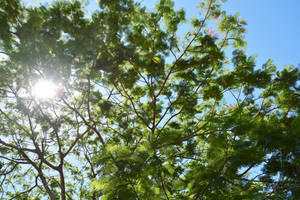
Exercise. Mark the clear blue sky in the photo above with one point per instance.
(273, 29)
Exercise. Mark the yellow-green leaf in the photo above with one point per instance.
(169, 168)
(156, 60)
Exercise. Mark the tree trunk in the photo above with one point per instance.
(62, 183)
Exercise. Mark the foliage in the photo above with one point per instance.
(143, 114)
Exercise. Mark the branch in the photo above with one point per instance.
(85, 122)
(134, 108)
(27, 191)
(185, 50)
(246, 171)
(75, 142)
(185, 138)
(41, 175)
(17, 148)
(11, 170)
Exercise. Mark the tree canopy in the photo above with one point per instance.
(141, 110)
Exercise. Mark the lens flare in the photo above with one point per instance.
(44, 89)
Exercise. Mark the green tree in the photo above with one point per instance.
(138, 113)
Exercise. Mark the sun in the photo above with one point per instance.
(45, 89)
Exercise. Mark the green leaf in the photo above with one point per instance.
(156, 60)
(169, 168)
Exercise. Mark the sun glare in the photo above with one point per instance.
(44, 89)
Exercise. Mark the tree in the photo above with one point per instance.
(138, 113)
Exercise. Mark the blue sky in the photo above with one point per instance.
(273, 29)
(273, 26)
